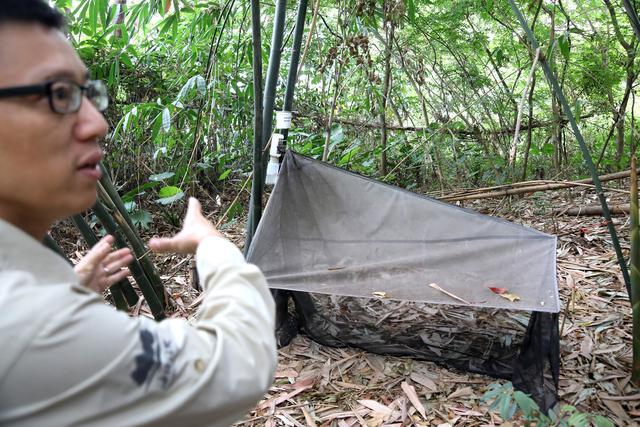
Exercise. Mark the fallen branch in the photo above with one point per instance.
(593, 210)
(508, 190)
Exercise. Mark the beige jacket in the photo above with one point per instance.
(68, 359)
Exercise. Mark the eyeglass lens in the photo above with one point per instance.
(66, 97)
(97, 93)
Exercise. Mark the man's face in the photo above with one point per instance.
(47, 160)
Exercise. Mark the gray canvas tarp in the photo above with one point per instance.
(326, 230)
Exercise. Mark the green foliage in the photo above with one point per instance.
(181, 87)
(515, 405)
(141, 218)
(169, 194)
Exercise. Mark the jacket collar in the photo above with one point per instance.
(21, 252)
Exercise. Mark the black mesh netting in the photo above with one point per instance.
(354, 262)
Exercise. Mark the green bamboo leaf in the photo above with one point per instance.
(169, 194)
(161, 176)
(578, 420)
(166, 120)
(155, 130)
(505, 406)
(201, 85)
(125, 58)
(601, 421)
(139, 190)
(234, 210)
(93, 16)
(411, 10)
(578, 110)
(564, 45)
(526, 404)
(224, 174)
(184, 90)
(167, 23)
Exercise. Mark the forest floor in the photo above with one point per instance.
(322, 386)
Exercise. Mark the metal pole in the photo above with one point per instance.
(255, 203)
(583, 146)
(292, 77)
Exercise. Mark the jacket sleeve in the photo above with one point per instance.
(91, 365)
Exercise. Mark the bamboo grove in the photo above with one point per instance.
(423, 94)
(418, 93)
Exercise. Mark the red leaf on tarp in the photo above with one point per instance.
(504, 293)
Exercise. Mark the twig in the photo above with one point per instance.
(622, 398)
(224, 215)
(434, 286)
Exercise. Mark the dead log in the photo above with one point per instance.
(508, 190)
(593, 210)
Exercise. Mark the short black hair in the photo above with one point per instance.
(31, 12)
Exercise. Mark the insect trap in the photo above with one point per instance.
(355, 262)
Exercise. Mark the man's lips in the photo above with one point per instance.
(89, 165)
(92, 172)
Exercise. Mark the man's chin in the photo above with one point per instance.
(82, 203)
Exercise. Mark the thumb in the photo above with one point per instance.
(193, 210)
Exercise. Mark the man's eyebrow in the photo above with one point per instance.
(67, 74)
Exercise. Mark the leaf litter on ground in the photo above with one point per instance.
(322, 386)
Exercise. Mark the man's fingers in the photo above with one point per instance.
(121, 255)
(113, 264)
(163, 244)
(108, 239)
(97, 253)
(113, 279)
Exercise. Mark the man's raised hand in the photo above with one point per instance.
(195, 229)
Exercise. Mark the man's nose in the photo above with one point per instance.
(91, 123)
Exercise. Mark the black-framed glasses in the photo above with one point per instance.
(65, 96)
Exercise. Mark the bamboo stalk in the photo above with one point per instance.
(529, 187)
(635, 272)
(136, 270)
(110, 195)
(255, 202)
(273, 70)
(535, 183)
(119, 299)
(292, 75)
(116, 293)
(49, 242)
(123, 286)
(312, 29)
(557, 90)
(593, 210)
